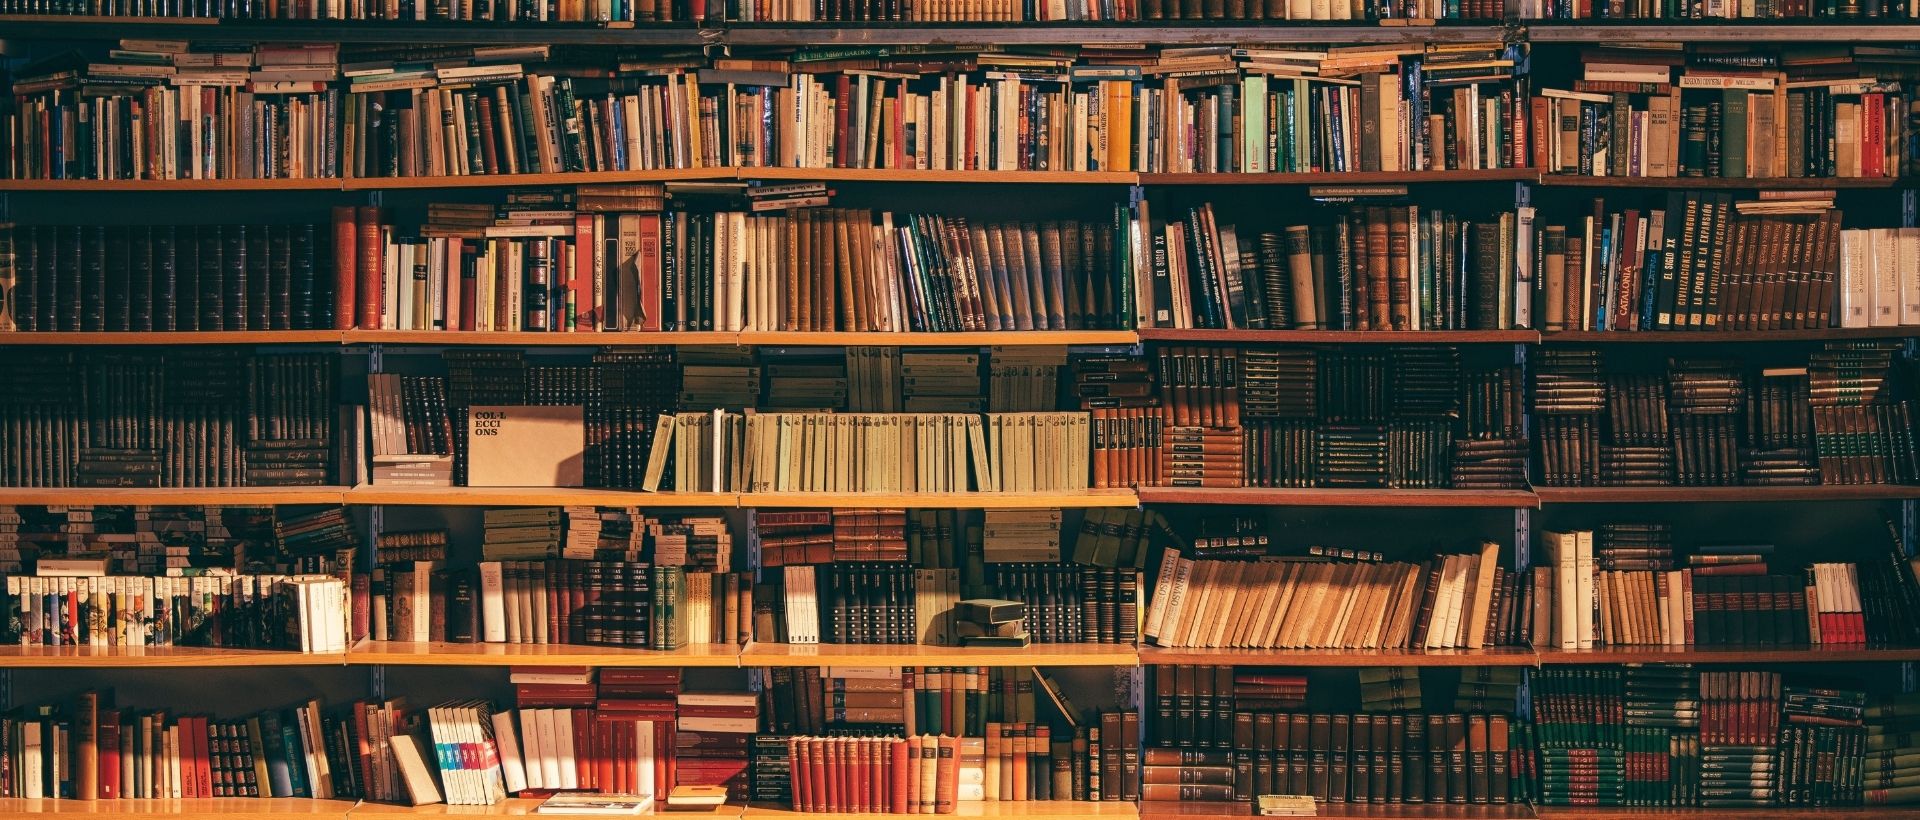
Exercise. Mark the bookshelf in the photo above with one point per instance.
(1515, 517)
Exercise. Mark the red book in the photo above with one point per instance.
(346, 258)
(857, 774)
(898, 776)
(203, 755)
(583, 739)
(607, 754)
(584, 281)
(371, 266)
(1873, 135)
(797, 773)
(109, 735)
(663, 756)
(648, 267)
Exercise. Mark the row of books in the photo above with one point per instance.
(1835, 420)
(524, 110)
(180, 418)
(600, 603)
(545, 266)
(1396, 267)
(1707, 262)
(163, 277)
(158, 540)
(1455, 601)
(862, 452)
(542, 261)
(1724, 596)
(1758, 10)
(875, 603)
(1662, 110)
(1714, 739)
(305, 613)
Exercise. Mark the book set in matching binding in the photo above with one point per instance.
(1831, 418)
(182, 418)
(167, 277)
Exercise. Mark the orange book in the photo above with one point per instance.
(948, 784)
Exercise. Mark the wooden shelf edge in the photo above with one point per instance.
(1695, 495)
(208, 496)
(1734, 183)
(370, 494)
(1338, 497)
(1167, 334)
(1726, 654)
(102, 657)
(1332, 658)
(1587, 337)
(1069, 499)
(1024, 810)
(1074, 654)
(395, 653)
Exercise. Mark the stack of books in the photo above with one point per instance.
(1891, 768)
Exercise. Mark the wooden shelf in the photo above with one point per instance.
(233, 808)
(990, 338)
(402, 653)
(209, 496)
(1741, 31)
(1059, 654)
(1587, 337)
(1165, 32)
(188, 185)
(1726, 654)
(1769, 813)
(193, 337)
(450, 338)
(918, 175)
(1343, 178)
(529, 497)
(1409, 811)
(1072, 499)
(1388, 337)
(511, 807)
(111, 657)
(1490, 656)
(510, 180)
(466, 338)
(1023, 810)
(1337, 497)
(1735, 183)
(1694, 495)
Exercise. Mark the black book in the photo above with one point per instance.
(166, 280)
(71, 275)
(234, 277)
(140, 288)
(257, 281)
(26, 283)
(207, 284)
(93, 277)
(296, 294)
(119, 280)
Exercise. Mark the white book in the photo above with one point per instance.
(1583, 575)
(563, 748)
(1907, 270)
(513, 770)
